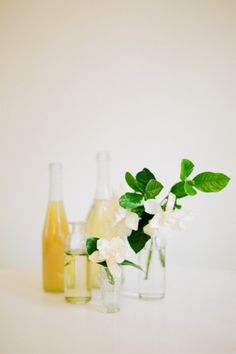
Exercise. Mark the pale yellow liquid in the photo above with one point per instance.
(54, 234)
(99, 224)
(76, 277)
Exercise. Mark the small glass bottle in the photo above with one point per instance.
(110, 291)
(54, 233)
(101, 215)
(76, 267)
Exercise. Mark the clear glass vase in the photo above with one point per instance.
(130, 275)
(153, 261)
(110, 291)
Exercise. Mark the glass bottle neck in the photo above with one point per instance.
(77, 239)
(55, 175)
(103, 190)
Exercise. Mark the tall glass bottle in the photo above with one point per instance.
(100, 217)
(54, 233)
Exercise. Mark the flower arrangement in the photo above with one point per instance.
(141, 217)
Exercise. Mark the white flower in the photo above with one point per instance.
(113, 252)
(163, 220)
(126, 222)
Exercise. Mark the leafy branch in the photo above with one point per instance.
(145, 186)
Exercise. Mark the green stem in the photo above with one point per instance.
(166, 199)
(148, 260)
(109, 276)
(162, 257)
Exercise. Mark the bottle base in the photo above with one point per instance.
(55, 291)
(78, 300)
(109, 309)
(151, 296)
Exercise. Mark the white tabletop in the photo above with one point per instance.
(198, 316)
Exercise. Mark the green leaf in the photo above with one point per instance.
(178, 190)
(91, 244)
(131, 181)
(144, 220)
(177, 206)
(137, 240)
(143, 177)
(211, 181)
(153, 188)
(129, 263)
(139, 210)
(130, 200)
(189, 188)
(186, 169)
(103, 263)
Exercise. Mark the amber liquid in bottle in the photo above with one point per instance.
(54, 233)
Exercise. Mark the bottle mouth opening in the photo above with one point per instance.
(55, 166)
(77, 225)
(103, 155)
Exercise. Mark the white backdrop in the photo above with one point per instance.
(151, 81)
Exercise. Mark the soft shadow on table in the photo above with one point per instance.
(27, 286)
